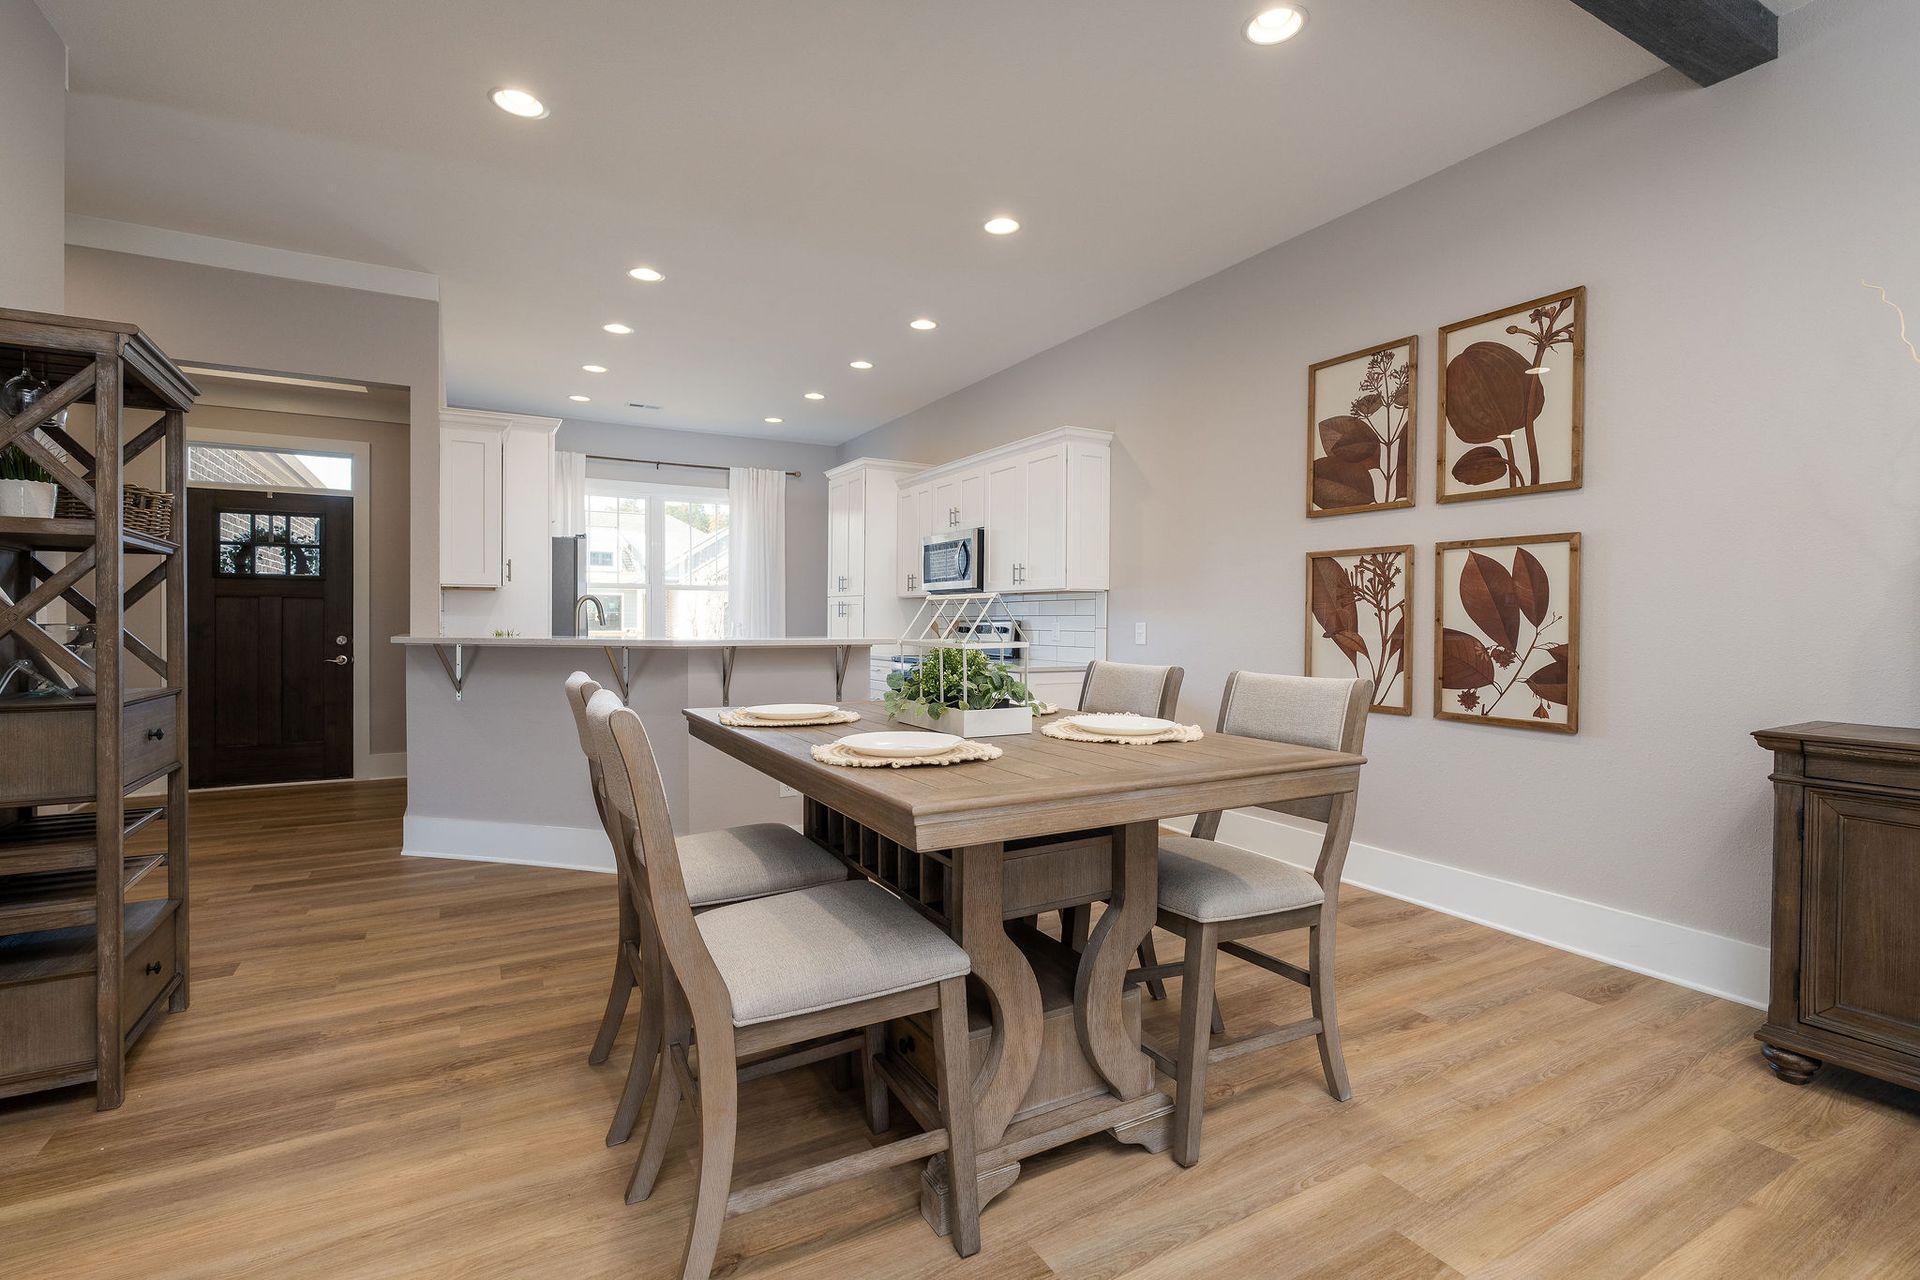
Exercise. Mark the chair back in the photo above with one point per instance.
(580, 690)
(1304, 711)
(638, 801)
(1131, 687)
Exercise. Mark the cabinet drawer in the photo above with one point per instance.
(1865, 767)
(50, 746)
(149, 968)
(50, 1020)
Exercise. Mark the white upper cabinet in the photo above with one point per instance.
(866, 566)
(496, 496)
(1044, 502)
(916, 522)
(846, 534)
(470, 514)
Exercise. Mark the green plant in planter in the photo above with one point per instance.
(17, 464)
(954, 679)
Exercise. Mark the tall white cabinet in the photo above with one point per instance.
(496, 548)
(863, 547)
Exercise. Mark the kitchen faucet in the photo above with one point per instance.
(599, 613)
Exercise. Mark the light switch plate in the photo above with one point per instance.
(1139, 633)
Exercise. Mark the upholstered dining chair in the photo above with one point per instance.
(728, 865)
(1129, 688)
(1214, 895)
(771, 972)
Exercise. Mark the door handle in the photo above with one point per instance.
(339, 659)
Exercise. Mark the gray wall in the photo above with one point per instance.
(1753, 446)
(33, 159)
(806, 496)
(209, 315)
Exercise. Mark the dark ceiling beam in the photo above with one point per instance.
(1708, 40)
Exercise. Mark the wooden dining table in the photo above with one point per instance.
(981, 848)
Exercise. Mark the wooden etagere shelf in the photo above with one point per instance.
(84, 971)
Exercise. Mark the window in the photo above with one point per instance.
(258, 544)
(657, 558)
(268, 468)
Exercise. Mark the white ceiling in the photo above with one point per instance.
(809, 174)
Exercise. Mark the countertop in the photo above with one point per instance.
(638, 642)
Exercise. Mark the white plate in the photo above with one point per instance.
(900, 746)
(790, 710)
(1121, 726)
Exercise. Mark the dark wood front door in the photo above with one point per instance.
(270, 595)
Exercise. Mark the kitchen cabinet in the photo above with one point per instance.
(959, 499)
(1027, 521)
(915, 523)
(865, 546)
(1044, 502)
(496, 547)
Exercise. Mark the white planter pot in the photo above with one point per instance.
(1001, 722)
(28, 498)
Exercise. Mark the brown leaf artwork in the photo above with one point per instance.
(1360, 413)
(1511, 399)
(1357, 603)
(1509, 620)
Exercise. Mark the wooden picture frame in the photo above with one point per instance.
(1485, 608)
(1349, 449)
(1379, 646)
(1537, 392)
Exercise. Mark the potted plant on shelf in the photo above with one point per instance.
(960, 691)
(26, 489)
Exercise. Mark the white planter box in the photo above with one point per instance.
(28, 498)
(999, 723)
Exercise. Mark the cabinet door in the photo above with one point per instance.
(1042, 562)
(916, 517)
(1860, 950)
(525, 602)
(1006, 522)
(846, 534)
(960, 500)
(469, 507)
(844, 619)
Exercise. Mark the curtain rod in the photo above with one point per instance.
(657, 462)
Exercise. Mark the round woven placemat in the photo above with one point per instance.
(834, 753)
(741, 720)
(1067, 731)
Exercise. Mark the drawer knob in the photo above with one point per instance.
(904, 1044)
(153, 966)
(154, 735)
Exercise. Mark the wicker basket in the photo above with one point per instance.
(146, 511)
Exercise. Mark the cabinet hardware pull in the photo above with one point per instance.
(155, 735)
(153, 966)
(509, 568)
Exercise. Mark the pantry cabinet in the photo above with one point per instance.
(864, 547)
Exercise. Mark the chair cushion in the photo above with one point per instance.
(1207, 881)
(736, 863)
(823, 947)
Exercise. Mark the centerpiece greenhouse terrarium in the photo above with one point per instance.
(958, 677)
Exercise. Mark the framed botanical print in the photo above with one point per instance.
(1507, 632)
(1360, 430)
(1513, 399)
(1358, 608)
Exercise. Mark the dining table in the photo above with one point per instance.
(982, 848)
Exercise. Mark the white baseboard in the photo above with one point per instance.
(1708, 962)
(386, 764)
(573, 848)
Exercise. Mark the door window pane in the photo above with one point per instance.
(268, 468)
(263, 544)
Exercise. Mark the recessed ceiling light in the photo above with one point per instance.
(922, 324)
(579, 399)
(518, 102)
(861, 364)
(816, 395)
(594, 368)
(618, 328)
(647, 274)
(1001, 226)
(1276, 25)
(775, 421)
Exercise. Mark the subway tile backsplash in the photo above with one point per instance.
(1067, 628)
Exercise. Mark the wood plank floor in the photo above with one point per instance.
(384, 1074)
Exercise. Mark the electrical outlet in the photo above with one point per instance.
(1139, 633)
(787, 791)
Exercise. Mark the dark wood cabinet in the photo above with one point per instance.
(1846, 901)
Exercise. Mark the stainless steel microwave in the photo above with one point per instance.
(953, 561)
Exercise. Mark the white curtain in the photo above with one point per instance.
(569, 494)
(757, 551)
